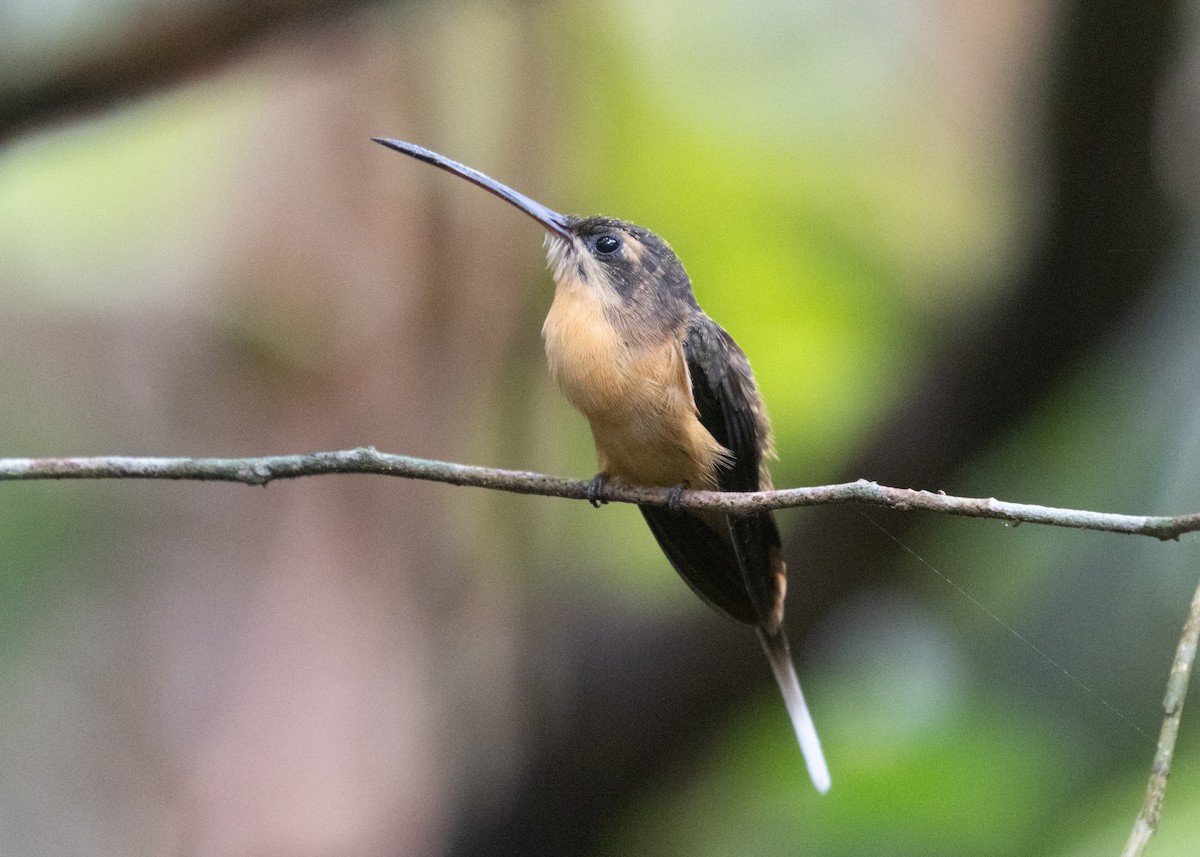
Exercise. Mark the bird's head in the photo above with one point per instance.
(630, 268)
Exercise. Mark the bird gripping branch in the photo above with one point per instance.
(672, 403)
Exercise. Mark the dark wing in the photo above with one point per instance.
(731, 562)
(728, 402)
(705, 559)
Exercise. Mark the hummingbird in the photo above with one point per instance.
(672, 403)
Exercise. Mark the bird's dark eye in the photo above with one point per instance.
(606, 245)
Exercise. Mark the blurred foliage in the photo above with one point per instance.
(40, 553)
(934, 794)
(91, 214)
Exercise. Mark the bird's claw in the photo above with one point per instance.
(675, 497)
(595, 491)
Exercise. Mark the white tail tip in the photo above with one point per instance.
(780, 658)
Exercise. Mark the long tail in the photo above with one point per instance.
(780, 658)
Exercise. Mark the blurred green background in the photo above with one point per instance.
(957, 241)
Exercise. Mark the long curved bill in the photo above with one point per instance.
(552, 220)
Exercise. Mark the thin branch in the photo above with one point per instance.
(1181, 670)
(265, 469)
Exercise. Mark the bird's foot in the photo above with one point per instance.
(675, 497)
(595, 490)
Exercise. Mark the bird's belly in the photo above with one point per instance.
(648, 448)
(638, 401)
